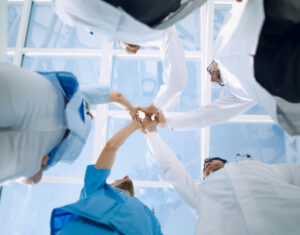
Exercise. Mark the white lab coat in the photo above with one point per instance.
(101, 17)
(174, 70)
(115, 23)
(234, 52)
(244, 198)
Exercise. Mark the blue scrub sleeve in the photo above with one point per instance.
(94, 179)
(95, 94)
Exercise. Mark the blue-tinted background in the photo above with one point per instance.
(26, 210)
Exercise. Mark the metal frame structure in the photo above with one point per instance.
(107, 53)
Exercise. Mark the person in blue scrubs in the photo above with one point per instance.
(102, 208)
(45, 118)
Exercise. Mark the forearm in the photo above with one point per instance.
(220, 111)
(173, 169)
(95, 94)
(174, 71)
(108, 154)
(119, 99)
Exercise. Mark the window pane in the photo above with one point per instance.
(266, 142)
(190, 97)
(189, 31)
(135, 159)
(47, 31)
(85, 69)
(174, 215)
(222, 12)
(27, 210)
(9, 59)
(13, 20)
(140, 79)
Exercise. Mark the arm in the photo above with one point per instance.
(108, 154)
(119, 99)
(173, 170)
(220, 111)
(100, 94)
(95, 94)
(171, 167)
(174, 71)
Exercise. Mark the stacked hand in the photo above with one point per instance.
(144, 118)
(147, 117)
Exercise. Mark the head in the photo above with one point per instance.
(126, 185)
(212, 165)
(37, 176)
(214, 73)
(130, 48)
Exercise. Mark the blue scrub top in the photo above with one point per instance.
(77, 119)
(102, 208)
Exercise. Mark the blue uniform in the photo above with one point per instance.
(78, 121)
(102, 209)
(36, 112)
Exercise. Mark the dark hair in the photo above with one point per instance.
(127, 185)
(215, 158)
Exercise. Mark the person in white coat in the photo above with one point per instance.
(174, 70)
(235, 47)
(244, 198)
(118, 22)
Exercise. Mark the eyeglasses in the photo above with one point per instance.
(217, 73)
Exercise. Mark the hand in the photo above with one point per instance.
(133, 111)
(150, 122)
(151, 109)
(137, 123)
(161, 119)
(130, 48)
(119, 99)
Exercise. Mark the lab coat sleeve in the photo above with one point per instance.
(95, 94)
(288, 172)
(174, 71)
(86, 14)
(173, 170)
(220, 111)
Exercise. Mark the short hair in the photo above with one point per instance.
(127, 185)
(215, 158)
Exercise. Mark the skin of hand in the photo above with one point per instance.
(149, 124)
(122, 101)
(130, 48)
(161, 119)
(150, 110)
(36, 178)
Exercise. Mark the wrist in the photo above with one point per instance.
(134, 124)
(152, 130)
